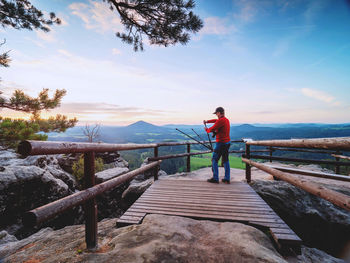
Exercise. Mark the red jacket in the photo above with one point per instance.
(222, 128)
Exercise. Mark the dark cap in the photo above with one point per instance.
(219, 109)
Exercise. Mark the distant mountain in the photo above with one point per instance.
(144, 132)
(142, 126)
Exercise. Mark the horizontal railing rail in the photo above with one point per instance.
(340, 143)
(301, 160)
(337, 144)
(332, 196)
(46, 212)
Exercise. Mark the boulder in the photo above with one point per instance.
(148, 174)
(27, 183)
(110, 173)
(6, 237)
(311, 255)
(135, 190)
(317, 222)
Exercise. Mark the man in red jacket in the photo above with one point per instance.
(222, 130)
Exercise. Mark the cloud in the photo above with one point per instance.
(320, 96)
(103, 111)
(8, 87)
(116, 51)
(248, 9)
(216, 26)
(96, 16)
(46, 36)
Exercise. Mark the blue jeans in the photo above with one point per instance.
(221, 149)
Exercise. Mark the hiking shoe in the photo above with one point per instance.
(225, 181)
(212, 180)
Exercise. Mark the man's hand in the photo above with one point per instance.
(204, 122)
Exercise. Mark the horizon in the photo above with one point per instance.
(265, 62)
(231, 124)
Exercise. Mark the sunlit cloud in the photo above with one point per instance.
(96, 16)
(116, 51)
(320, 96)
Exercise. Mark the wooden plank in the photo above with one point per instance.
(269, 225)
(208, 194)
(218, 199)
(133, 218)
(282, 230)
(197, 190)
(284, 239)
(134, 214)
(202, 183)
(211, 186)
(201, 189)
(207, 201)
(207, 210)
(205, 214)
(203, 206)
(188, 183)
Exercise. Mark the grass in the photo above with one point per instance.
(204, 160)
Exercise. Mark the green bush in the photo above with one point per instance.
(78, 169)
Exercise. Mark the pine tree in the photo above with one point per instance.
(21, 14)
(14, 130)
(164, 22)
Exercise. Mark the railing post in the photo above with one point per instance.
(90, 207)
(188, 158)
(247, 166)
(155, 170)
(337, 167)
(271, 150)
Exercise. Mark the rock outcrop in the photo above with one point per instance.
(317, 222)
(158, 239)
(108, 174)
(27, 183)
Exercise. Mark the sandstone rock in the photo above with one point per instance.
(158, 239)
(135, 190)
(27, 183)
(317, 222)
(6, 237)
(66, 161)
(120, 162)
(311, 255)
(148, 174)
(110, 173)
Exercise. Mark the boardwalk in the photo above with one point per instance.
(236, 202)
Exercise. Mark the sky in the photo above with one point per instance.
(264, 61)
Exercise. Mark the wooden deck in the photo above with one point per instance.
(236, 202)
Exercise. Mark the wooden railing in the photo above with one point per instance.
(312, 146)
(87, 196)
(328, 144)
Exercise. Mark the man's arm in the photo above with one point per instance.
(211, 121)
(218, 124)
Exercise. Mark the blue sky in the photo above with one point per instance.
(263, 61)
